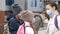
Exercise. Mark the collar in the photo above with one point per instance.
(27, 23)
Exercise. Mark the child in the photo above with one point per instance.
(27, 16)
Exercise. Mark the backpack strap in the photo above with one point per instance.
(56, 22)
(25, 27)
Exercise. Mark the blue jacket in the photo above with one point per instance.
(14, 25)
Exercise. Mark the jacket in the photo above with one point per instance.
(14, 25)
(51, 29)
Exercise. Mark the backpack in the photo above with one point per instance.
(21, 29)
(56, 22)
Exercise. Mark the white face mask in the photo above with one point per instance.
(45, 21)
(33, 21)
(49, 12)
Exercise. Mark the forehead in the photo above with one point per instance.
(48, 6)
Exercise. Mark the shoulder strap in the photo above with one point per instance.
(56, 22)
(24, 28)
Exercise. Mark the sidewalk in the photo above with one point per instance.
(43, 31)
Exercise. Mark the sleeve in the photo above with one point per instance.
(29, 30)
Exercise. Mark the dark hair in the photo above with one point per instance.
(53, 4)
(16, 9)
(46, 15)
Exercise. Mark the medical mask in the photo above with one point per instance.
(49, 12)
(33, 21)
(45, 21)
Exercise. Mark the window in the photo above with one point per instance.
(34, 3)
(40, 0)
(9, 2)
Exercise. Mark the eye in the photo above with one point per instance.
(47, 9)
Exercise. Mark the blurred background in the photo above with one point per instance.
(37, 6)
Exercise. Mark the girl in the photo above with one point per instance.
(27, 16)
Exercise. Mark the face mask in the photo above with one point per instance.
(33, 21)
(49, 12)
(45, 21)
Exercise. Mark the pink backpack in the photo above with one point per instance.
(21, 29)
